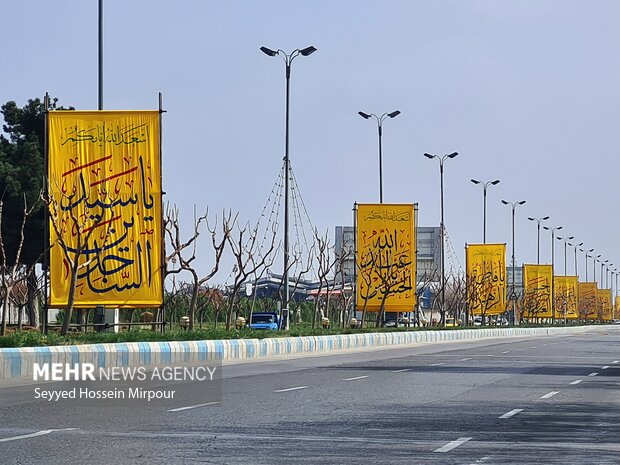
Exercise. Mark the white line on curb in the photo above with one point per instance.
(452, 445)
(437, 364)
(401, 370)
(593, 374)
(512, 413)
(355, 378)
(549, 394)
(577, 381)
(179, 409)
(33, 435)
(296, 388)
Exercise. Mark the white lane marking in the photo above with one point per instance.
(452, 445)
(512, 413)
(615, 361)
(593, 374)
(549, 394)
(400, 371)
(604, 367)
(577, 381)
(534, 347)
(545, 345)
(437, 364)
(34, 435)
(355, 378)
(179, 409)
(465, 359)
(505, 352)
(296, 388)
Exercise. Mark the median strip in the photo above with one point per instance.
(512, 413)
(452, 445)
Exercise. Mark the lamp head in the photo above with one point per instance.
(504, 202)
(522, 202)
(453, 154)
(475, 182)
(429, 156)
(495, 183)
(394, 114)
(363, 115)
(545, 218)
(308, 51)
(268, 51)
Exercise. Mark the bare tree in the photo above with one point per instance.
(178, 247)
(325, 263)
(249, 260)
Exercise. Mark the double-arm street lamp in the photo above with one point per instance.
(485, 185)
(513, 296)
(565, 239)
(553, 230)
(379, 120)
(538, 220)
(587, 255)
(603, 263)
(594, 262)
(442, 160)
(574, 246)
(288, 59)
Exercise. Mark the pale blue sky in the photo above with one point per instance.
(525, 91)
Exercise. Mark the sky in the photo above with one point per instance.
(525, 92)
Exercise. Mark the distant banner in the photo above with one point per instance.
(537, 280)
(486, 278)
(617, 307)
(566, 296)
(105, 211)
(386, 260)
(605, 311)
(588, 301)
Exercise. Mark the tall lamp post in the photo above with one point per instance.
(565, 239)
(288, 59)
(553, 230)
(538, 220)
(603, 264)
(574, 246)
(587, 255)
(485, 186)
(379, 120)
(442, 160)
(513, 296)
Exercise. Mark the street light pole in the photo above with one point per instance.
(574, 246)
(553, 230)
(441, 160)
(513, 296)
(538, 220)
(485, 185)
(379, 120)
(288, 59)
(565, 239)
(595, 259)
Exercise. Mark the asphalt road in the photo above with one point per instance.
(543, 400)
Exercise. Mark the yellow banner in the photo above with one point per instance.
(617, 307)
(537, 282)
(588, 301)
(566, 296)
(386, 260)
(486, 278)
(605, 311)
(105, 208)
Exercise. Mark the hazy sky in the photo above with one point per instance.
(526, 92)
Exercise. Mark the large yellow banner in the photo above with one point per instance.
(566, 296)
(486, 278)
(588, 301)
(537, 281)
(617, 307)
(605, 311)
(386, 260)
(105, 208)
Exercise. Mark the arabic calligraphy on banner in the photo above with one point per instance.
(566, 296)
(104, 179)
(605, 311)
(386, 260)
(537, 291)
(588, 301)
(486, 278)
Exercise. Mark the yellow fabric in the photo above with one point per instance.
(588, 301)
(566, 296)
(537, 283)
(386, 260)
(486, 278)
(105, 189)
(604, 308)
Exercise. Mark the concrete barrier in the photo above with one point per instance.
(18, 363)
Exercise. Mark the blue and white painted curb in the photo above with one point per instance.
(18, 363)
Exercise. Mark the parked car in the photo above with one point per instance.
(265, 320)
